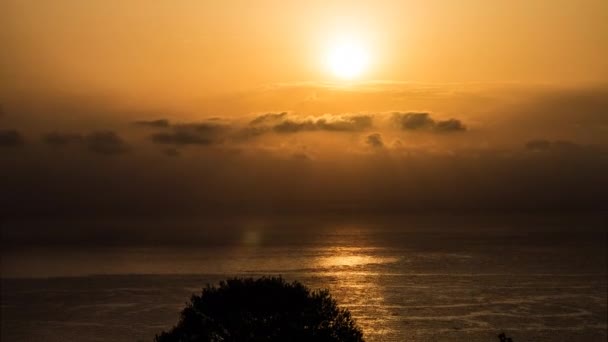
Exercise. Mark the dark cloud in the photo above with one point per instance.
(101, 142)
(160, 123)
(252, 131)
(269, 117)
(342, 123)
(285, 123)
(105, 142)
(292, 126)
(11, 138)
(62, 139)
(424, 121)
(450, 125)
(375, 140)
(411, 121)
(192, 134)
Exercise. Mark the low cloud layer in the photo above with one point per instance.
(285, 123)
(100, 142)
(106, 142)
(424, 121)
(268, 118)
(192, 134)
(352, 123)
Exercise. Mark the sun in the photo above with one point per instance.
(347, 59)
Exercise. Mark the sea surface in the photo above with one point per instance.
(404, 280)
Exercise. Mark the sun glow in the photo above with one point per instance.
(347, 58)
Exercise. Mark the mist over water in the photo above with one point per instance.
(404, 279)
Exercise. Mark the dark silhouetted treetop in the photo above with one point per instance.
(266, 309)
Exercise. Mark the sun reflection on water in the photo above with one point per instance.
(351, 257)
(356, 286)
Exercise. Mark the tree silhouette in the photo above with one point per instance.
(266, 309)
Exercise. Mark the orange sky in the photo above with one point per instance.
(172, 52)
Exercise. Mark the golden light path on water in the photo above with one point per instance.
(350, 257)
(356, 287)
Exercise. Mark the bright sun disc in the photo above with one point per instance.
(347, 59)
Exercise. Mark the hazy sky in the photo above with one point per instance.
(189, 107)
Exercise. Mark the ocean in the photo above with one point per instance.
(403, 279)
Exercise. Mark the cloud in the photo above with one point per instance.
(62, 139)
(287, 123)
(335, 123)
(450, 125)
(269, 117)
(424, 121)
(217, 130)
(106, 143)
(159, 123)
(261, 125)
(101, 142)
(252, 131)
(375, 140)
(293, 126)
(11, 138)
(192, 134)
(410, 121)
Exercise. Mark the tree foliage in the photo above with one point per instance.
(267, 309)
